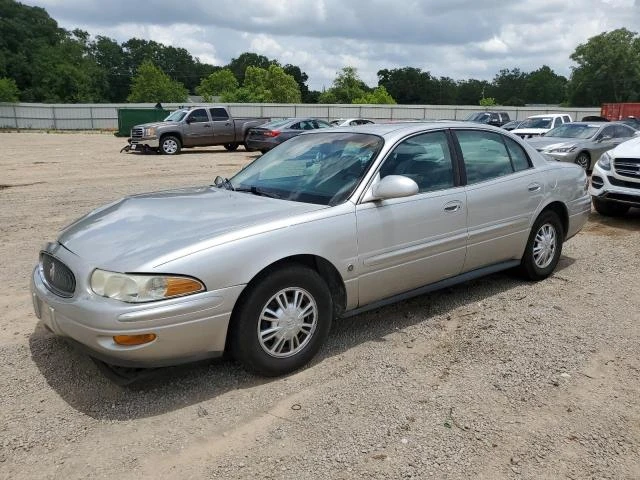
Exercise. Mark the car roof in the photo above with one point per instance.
(399, 129)
(543, 115)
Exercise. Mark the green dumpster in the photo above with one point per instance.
(128, 117)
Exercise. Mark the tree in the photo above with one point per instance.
(301, 79)
(270, 85)
(508, 86)
(608, 69)
(347, 86)
(487, 102)
(8, 90)
(219, 83)
(545, 86)
(471, 91)
(379, 95)
(152, 85)
(239, 65)
(408, 85)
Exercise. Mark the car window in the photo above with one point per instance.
(608, 131)
(622, 131)
(306, 125)
(566, 118)
(321, 124)
(519, 158)
(296, 126)
(219, 114)
(557, 122)
(505, 117)
(198, 116)
(485, 155)
(425, 158)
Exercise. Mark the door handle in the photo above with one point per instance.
(206, 125)
(453, 206)
(534, 187)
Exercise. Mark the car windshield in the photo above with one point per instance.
(323, 168)
(176, 116)
(536, 123)
(573, 130)
(276, 123)
(478, 117)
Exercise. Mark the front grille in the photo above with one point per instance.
(137, 132)
(627, 167)
(597, 181)
(57, 276)
(623, 183)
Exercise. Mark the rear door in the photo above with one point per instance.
(223, 126)
(405, 243)
(198, 129)
(503, 192)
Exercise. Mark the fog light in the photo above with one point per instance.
(129, 340)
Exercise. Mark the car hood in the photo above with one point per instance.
(549, 143)
(630, 148)
(135, 231)
(155, 124)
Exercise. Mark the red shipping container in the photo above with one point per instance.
(619, 111)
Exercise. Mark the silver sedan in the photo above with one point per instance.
(582, 143)
(328, 224)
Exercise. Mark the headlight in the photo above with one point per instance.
(562, 150)
(134, 288)
(150, 132)
(605, 161)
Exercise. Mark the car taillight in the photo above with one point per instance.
(271, 133)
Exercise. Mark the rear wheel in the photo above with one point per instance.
(231, 146)
(584, 160)
(170, 145)
(609, 209)
(282, 321)
(543, 247)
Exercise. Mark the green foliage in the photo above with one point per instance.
(347, 86)
(152, 85)
(266, 85)
(8, 90)
(220, 83)
(487, 102)
(239, 65)
(608, 69)
(379, 95)
(545, 86)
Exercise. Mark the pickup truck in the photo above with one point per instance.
(193, 127)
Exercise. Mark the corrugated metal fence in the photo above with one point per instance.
(105, 116)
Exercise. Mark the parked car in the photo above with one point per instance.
(329, 224)
(512, 125)
(615, 181)
(631, 121)
(537, 125)
(346, 122)
(193, 127)
(582, 142)
(497, 119)
(271, 134)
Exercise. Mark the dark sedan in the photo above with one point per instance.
(273, 133)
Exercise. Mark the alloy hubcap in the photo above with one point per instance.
(583, 161)
(544, 246)
(287, 322)
(170, 146)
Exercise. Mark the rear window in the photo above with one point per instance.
(275, 123)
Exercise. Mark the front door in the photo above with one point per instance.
(405, 243)
(198, 129)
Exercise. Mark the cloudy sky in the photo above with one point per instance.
(455, 38)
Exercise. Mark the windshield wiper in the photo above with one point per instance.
(258, 191)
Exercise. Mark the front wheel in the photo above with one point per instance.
(609, 209)
(170, 145)
(584, 160)
(282, 321)
(543, 247)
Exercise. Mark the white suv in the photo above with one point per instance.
(615, 181)
(536, 125)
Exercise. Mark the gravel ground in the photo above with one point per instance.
(496, 378)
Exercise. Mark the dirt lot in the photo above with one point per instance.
(497, 378)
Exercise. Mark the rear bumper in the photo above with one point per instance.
(261, 144)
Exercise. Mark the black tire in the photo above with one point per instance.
(248, 320)
(246, 146)
(534, 265)
(170, 145)
(263, 151)
(609, 209)
(583, 160)
(231, 146)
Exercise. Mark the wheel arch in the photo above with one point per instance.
(178, 135)
(559, 209)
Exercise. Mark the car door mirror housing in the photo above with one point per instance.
(392, 186)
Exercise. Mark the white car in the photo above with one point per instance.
(537, 125)
(615, 181)
(350, 122)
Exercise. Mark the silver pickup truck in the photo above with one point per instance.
(193, 127)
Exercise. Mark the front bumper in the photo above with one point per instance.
(142, 143)
(609, 186)
(187, 328)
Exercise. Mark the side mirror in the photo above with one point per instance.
(188, 120)
(604, 138)
(392, 186)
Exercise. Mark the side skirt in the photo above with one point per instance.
(447, 282)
